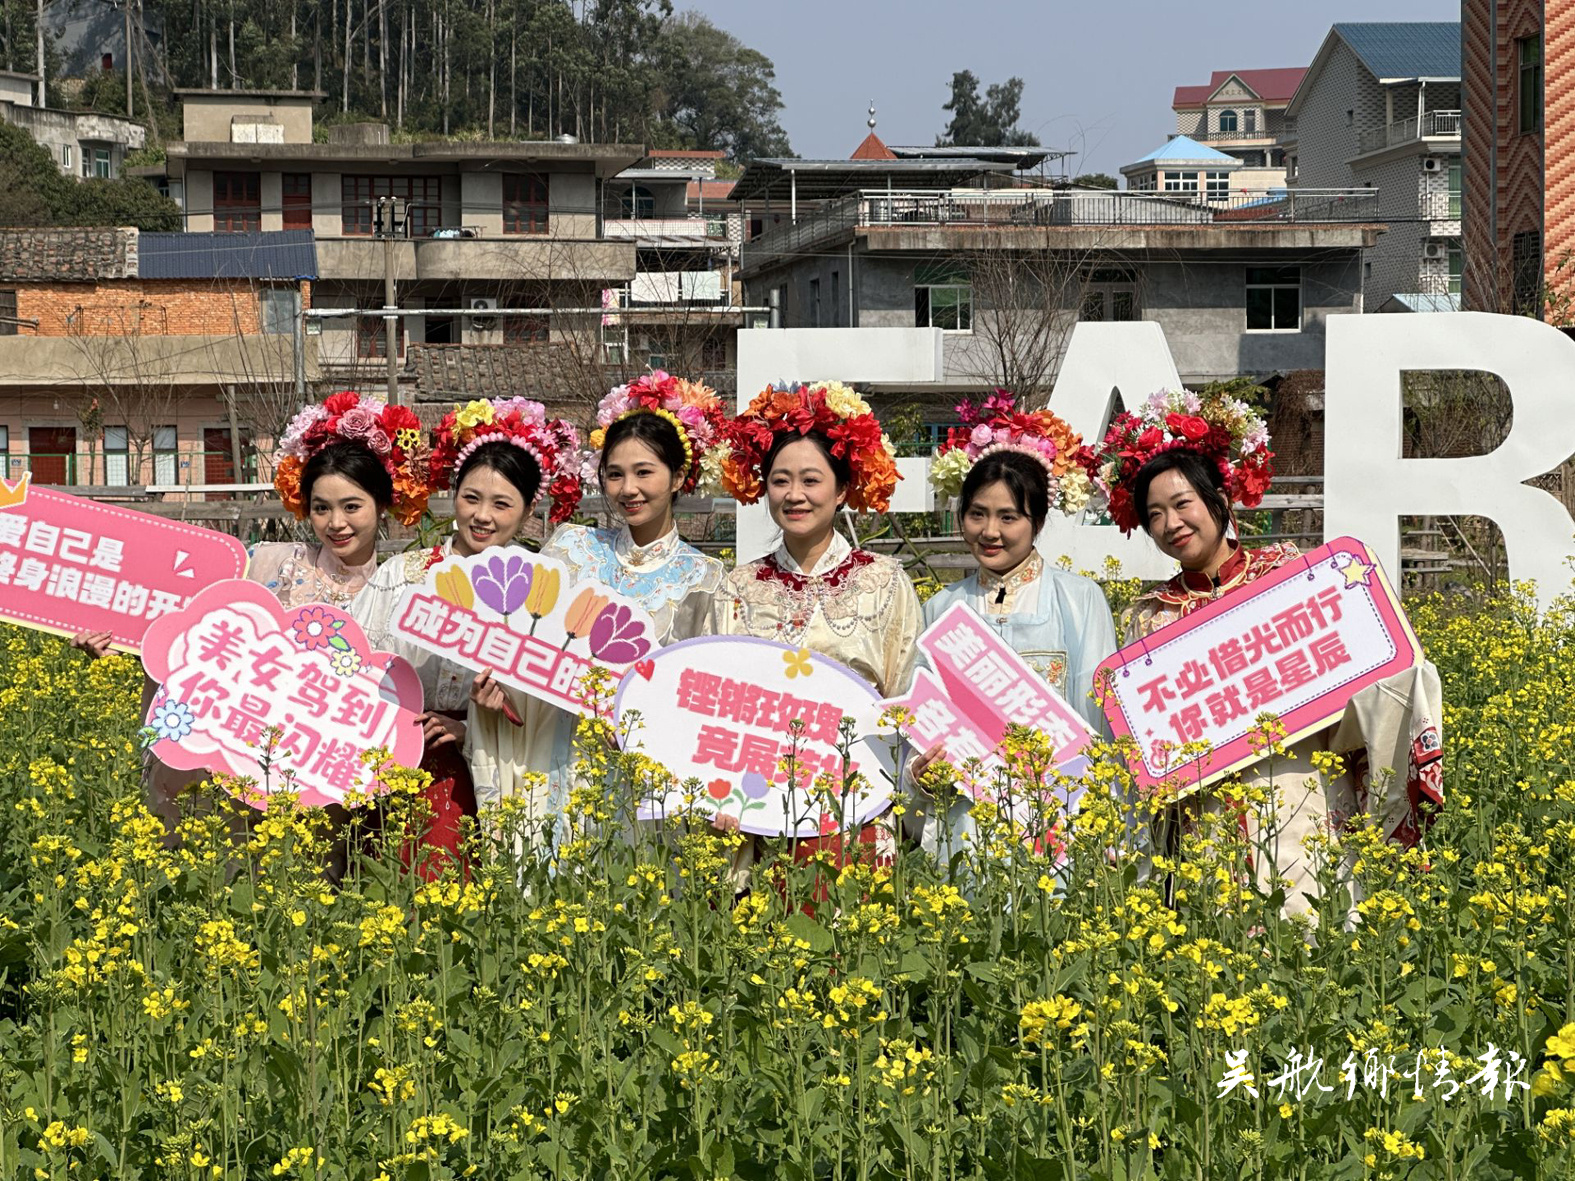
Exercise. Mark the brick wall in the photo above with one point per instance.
(146, 307)
(1559, 78)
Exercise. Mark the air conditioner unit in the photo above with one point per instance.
(1435, 250)
(1432, 164)
(482, 303)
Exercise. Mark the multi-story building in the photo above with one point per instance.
(1183, 165)
(461, 228)
(1519, 199)
(1006, 268)
(1379, 108)
(135, 358)
(1241, 113)
(83, 143)
(682, 310)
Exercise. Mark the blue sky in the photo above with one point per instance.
(1099, 75)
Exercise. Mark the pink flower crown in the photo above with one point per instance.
(552, 443)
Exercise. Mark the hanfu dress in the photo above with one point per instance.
(1408, 705)
(857, 607)
(1060, 623)
(669, 578)
(445, 689)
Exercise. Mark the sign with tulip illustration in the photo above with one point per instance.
(287, 697)
(520, 615)
(733, 713)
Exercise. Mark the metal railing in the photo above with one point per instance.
(1255, 134)
(694, 226)
(1036, 207)
(1439, 206)
(1430, 124)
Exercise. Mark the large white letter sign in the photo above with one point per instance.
(1101, 359)
(1368, 486)
(852, 355)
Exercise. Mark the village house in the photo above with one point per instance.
(132, 358)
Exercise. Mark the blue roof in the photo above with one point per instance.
(1405, 49)
(266, 254)
(1185, 148)
(1418, 301)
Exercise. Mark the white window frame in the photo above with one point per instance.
(1216, 186)
(166, 455)
(107, 158)
(1282, 285)
(1234, 118)
(66, 157)
(1180, 182)
(117, 448)
(965, 301)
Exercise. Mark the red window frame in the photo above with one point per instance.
(237, 202)
(296, 198)
(524, 203)
(423, 197)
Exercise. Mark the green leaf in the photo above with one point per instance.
(801, 926)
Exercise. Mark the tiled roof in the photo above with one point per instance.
(68, 255)
(714, 190)
(1270, 85)
(1185, 148)
(872, 148)
(268, 254)
(1405, 49)
(460, 372)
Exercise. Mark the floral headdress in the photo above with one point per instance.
(996, 424)
(553, 444)
(1224, 430)
(695, 412)
(835, 411)
(391, 433)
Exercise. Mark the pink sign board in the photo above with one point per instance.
(1299, 643)
(721, 710)
(522, 616)
(234, 663)
(978, 687)
(70, 565)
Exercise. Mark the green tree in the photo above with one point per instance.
(719, 93)
(33, 192)
(1096, 180)
(989, 122)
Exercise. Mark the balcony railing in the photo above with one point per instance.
(1428, 125)
(1028, 208)
(691, 228)
(1263, 134)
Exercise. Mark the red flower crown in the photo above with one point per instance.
(392, 433)
(1224, 430)
(553, 444)
(836, 412)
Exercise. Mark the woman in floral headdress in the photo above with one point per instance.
(499, 456)
(657, 438)
(1176, 469)
(813, 449)
(1009, 470)
(340, 465)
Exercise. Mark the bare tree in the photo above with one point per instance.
(1029, 289)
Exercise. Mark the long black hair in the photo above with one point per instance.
(1025, 479)
(353, 462)
(514, 464)
(657, 433)
(1203, 475)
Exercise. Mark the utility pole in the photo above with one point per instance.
(130, 114)
(388, 219)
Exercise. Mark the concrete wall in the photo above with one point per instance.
(199, 201)
(571, 205)
(209, 118)
(54, 129)
(16, 88)
(1200, 301)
